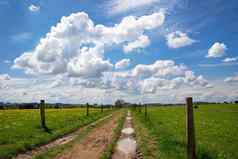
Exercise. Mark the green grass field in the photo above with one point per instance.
(20, 129)
(216, 129)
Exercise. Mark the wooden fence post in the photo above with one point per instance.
(87, 105)
(191, 147)
(42, 113)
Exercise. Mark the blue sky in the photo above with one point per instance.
(201, 36)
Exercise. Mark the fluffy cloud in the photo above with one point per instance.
(230, 59)
(34, 8)
(169, 90)
(88, 64)
(75, 46)
(161, 68)
(122, 64)
(178, 39)
(233, 79)
(217, 50)
(118, 6)
(162, 74)
(74, 52)
(4, 77)
(142, 42)
(57, 82)
(151, 85)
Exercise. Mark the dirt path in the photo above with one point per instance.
(126, 146)
(60, 141)
(94, 144)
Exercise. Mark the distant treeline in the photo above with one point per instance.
(118, 104)
(47, 105)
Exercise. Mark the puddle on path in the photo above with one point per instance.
(126, 146)
(128, 131)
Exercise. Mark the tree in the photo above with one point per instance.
(119, 103)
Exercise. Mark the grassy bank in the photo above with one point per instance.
(20, 129)
(216, 131)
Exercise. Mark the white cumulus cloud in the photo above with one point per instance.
(217, 50)
(4, 77)
(178, 39)
(162, 74)
(230, 59)
(152, 84)
(232, 79)
(118, 6)
(142, 42)
(160, 68)
(76, 46)
(34, 8)
(122, 64)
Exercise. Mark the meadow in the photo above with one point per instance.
(20, 130)
(163, 133)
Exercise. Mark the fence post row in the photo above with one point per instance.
(191, 146)
(42, 113)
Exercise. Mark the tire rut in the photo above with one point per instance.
(94, 144)
(60, 141)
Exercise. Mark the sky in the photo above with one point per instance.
(78, 51)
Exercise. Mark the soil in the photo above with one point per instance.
(60, 141)
(94, 144)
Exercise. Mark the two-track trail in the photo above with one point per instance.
(60, 141)
(94, 144)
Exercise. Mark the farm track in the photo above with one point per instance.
(95, 143)
(127, 147)
(60, 141)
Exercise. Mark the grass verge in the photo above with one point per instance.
(146, 141)
(215, 129)
(20, 129)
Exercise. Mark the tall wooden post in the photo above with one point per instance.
(42, 113)
(191, 147)
(87, 105)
